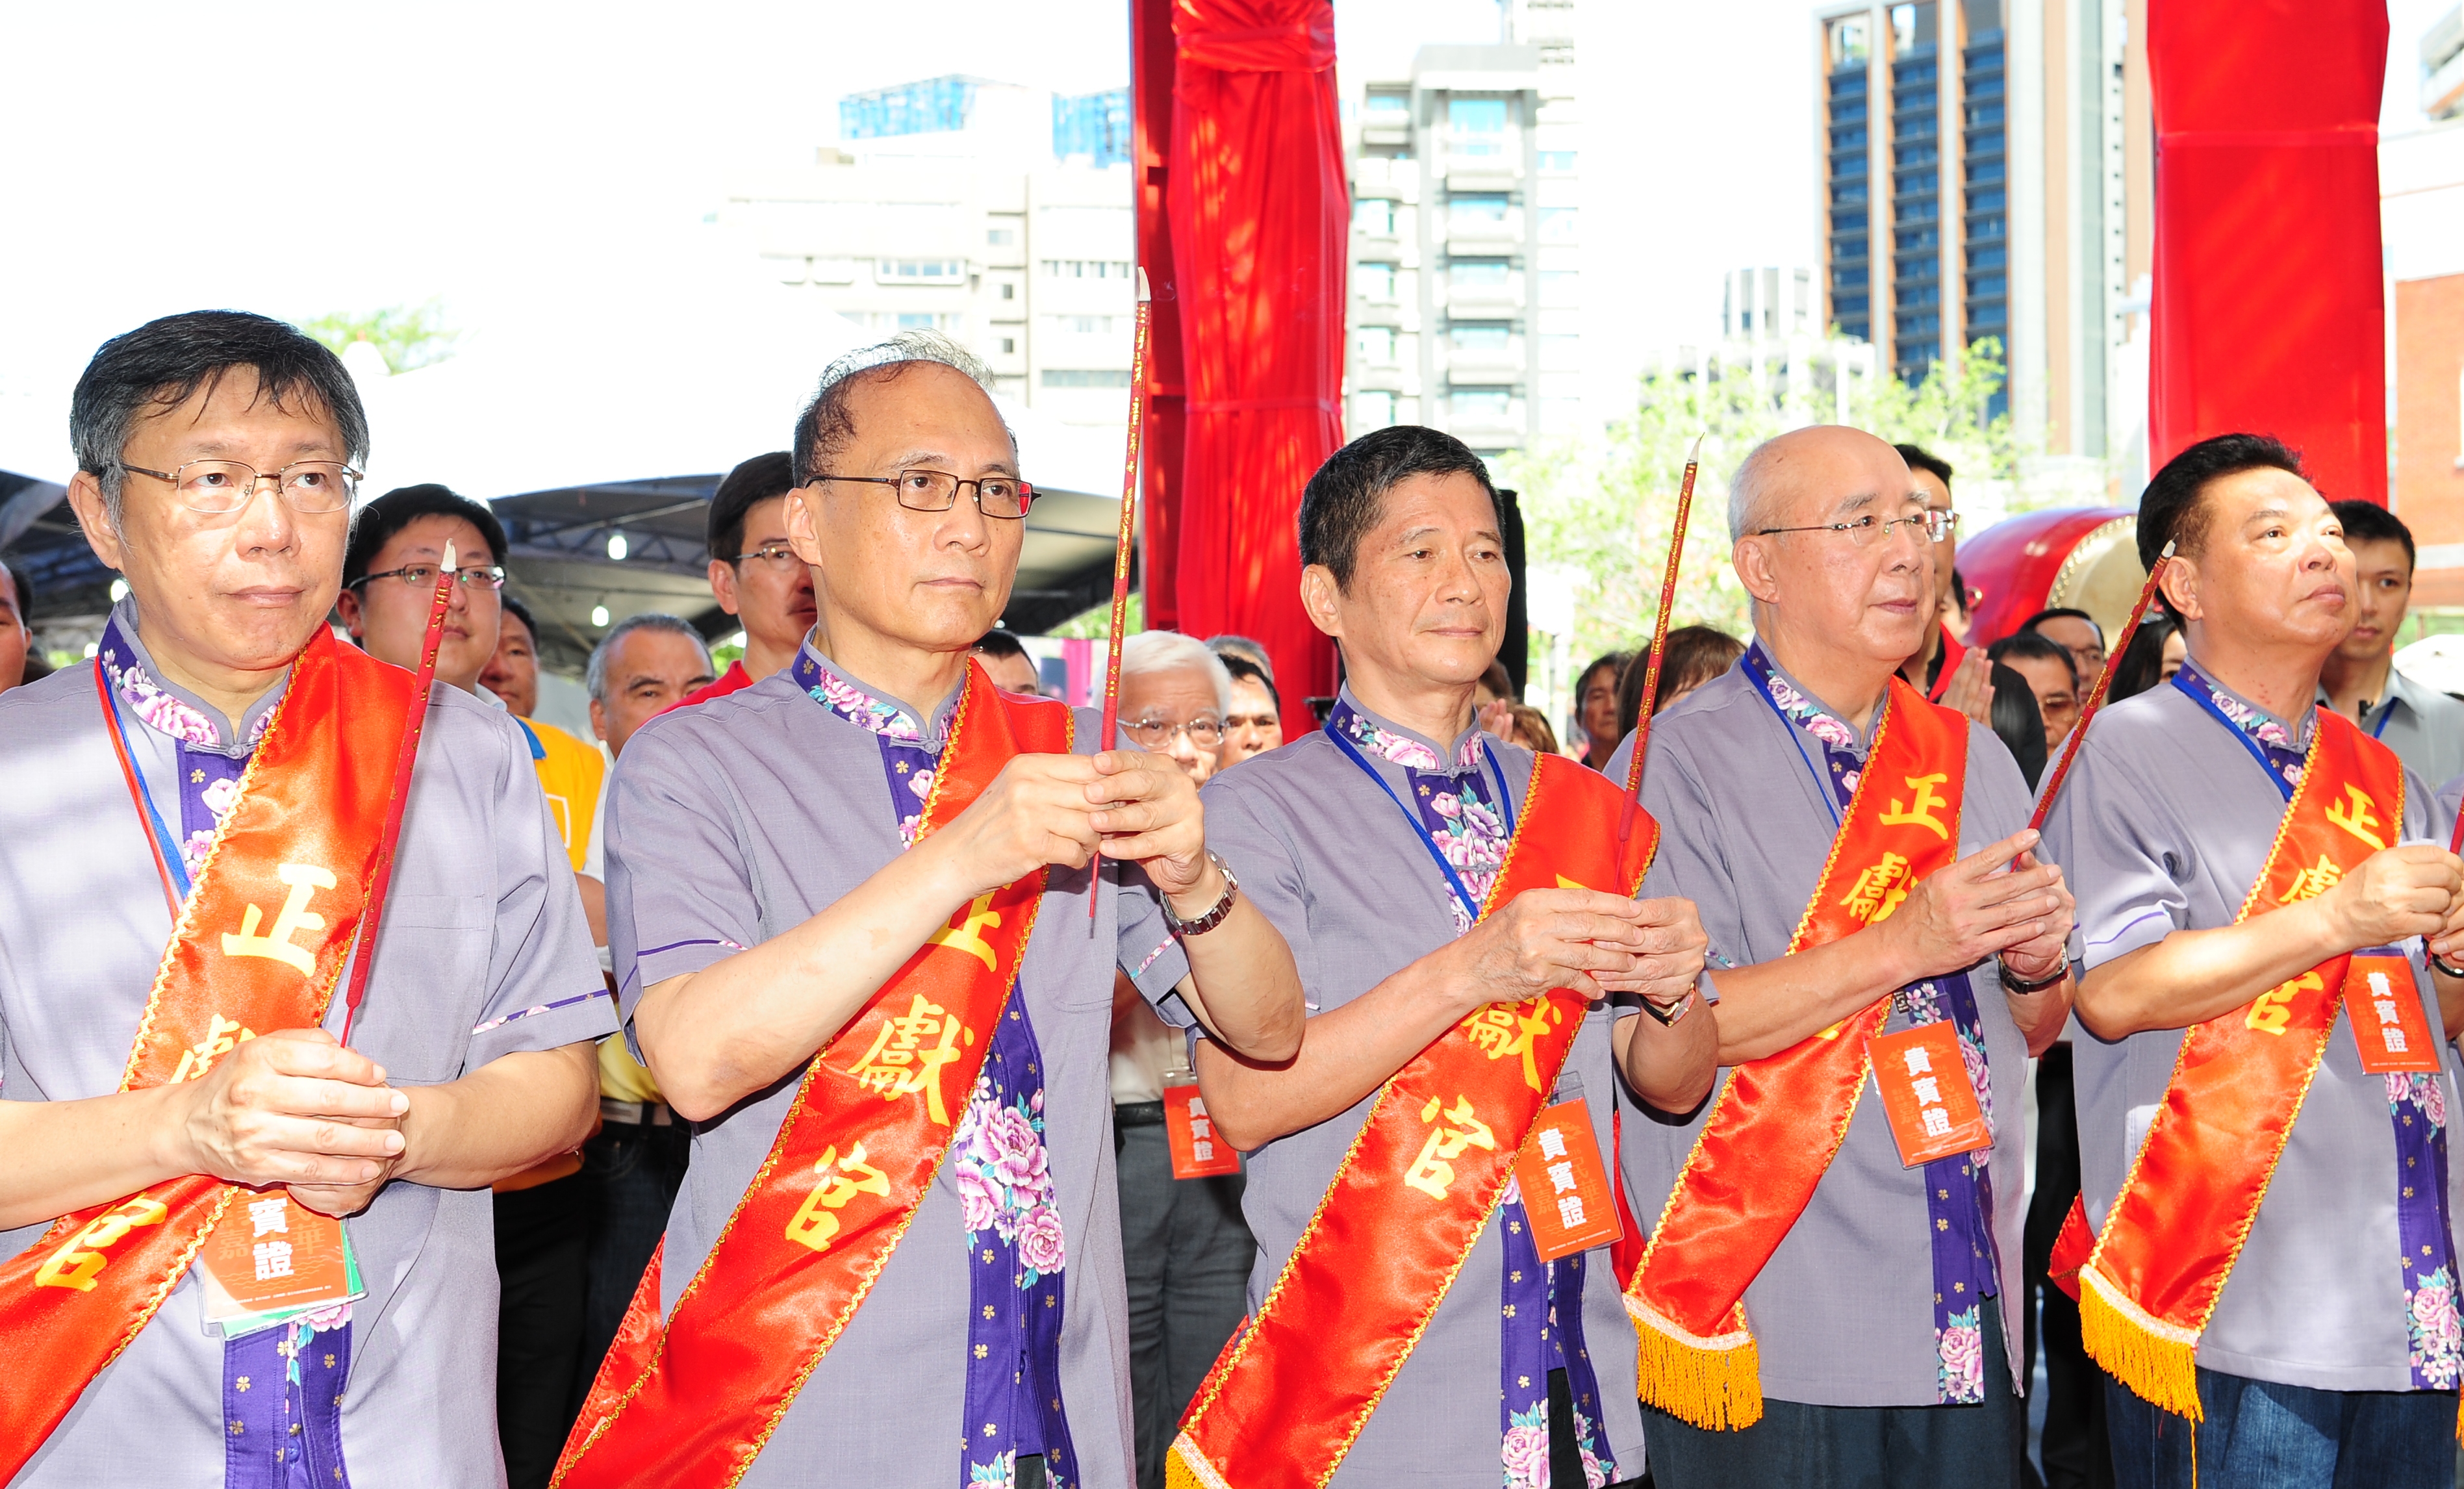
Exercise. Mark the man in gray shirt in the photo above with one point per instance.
(1880, 1362)
(2332, 1352)
(470, 1058)
(761, 891)
(1381, 901)
(2423, 726)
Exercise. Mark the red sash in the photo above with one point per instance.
(257, 946)
(1953, 652)
(2174, 1231)
(1780, 1120)
(691, 1403)
(1292, 1390)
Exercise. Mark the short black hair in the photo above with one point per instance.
(2019, 722)
(1920, 458)
(2027, 643)
(519, 612)
(2062, 613)
(2169, 509)
(1242, 670)
(1959, 591)
(22, 585)
(163, 364)
(397, 509)
(1342, 501)
(1001, 644)
(2372, 523)
(746, 487)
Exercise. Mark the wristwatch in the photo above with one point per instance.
(2439, 964)
(2012, 982)
(1215, 913)
(1674, 1011)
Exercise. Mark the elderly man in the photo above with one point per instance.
(2269, 1195)
(1459, 910)
(1186, 1249)
(1875, 916)
(2423, 726)
(849, 908)
(192, 877)
(754, 576)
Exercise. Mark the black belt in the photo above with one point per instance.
(637, 1114)
(1137, 1114)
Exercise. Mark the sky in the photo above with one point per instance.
(498, 158)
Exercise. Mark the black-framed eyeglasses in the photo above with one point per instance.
(938, 491)
(1862, 531)
(1153, 734)
(778, 556)
(310, 486)
(489, 577)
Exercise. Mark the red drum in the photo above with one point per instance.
(2074, 557)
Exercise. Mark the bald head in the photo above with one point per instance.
(1835, 581)
(1814, 469)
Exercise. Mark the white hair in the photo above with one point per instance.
(594, 675)
(1169, 651)
(1749, 490)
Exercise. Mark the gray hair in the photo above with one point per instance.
(1749, 490)
(596, 678)
(1169, 651)
(1247, 649)
(826, 424)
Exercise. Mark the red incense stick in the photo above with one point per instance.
(2103, 685)
(1129, 530)
(373, 915)
(1658, 642)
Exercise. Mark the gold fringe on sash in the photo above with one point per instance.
(1185, 1467)
(1714, 1383)
(2156, 1360)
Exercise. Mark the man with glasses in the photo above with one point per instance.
(389, 580)
(1255, 725)
(2075, 632)
(218, 780)
(850, 911)
(1863, 866)
(1941, 668)
(755, 575)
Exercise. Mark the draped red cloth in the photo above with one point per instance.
(2268, 311)
(1257, 217)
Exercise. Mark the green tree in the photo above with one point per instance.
(409, 336)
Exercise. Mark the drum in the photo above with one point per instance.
(2079, 559)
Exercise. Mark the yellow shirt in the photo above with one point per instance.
(570, 773)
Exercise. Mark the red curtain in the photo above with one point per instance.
(2269, 307)
(1151, 45)
(1257, 218)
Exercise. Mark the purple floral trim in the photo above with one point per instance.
(853, 704)
(540, 1008)
(162, 710)
(1799, 709)
(1402, 749)
(2417, 1104)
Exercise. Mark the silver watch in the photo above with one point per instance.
(1215, 913)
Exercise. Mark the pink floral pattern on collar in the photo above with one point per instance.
(853, 704)
(1811, 716)
(1403, 750)
(162, 709)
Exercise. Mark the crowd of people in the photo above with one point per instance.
(862, 1071)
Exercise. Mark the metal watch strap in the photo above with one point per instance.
(1215, 913)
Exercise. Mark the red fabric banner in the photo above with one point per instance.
(1153, 49)
(1259, 217)
(2268, 309)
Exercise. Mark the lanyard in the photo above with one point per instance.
(2258, 752)
(2386, 712)
(1454, 880)
(1822, 787)
(158, 837)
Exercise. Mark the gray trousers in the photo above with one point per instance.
(1187, 1253)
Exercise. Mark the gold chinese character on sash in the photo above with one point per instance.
(967, 934)
(1504, 1029)
(814, 1223)
(304, 880)
(1878, 888)
(1922, 812)
(2353, 813)
(2308, 884)
(2268, 1012)
(908, 1054)
(81, 1260)
(222, 1036)
(1432, 1171)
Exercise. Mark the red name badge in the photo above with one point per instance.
(1927, 1094)
(269, 1252)
(2387, 1021)
(1197, 1150)
(1566, 1192)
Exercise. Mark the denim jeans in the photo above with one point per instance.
(630, 1173)
(2258, 1435)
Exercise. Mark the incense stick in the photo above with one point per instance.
(1127, 541)
(373, 915)
(1658, 642)
(2103, 685)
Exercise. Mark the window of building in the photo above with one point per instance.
(1556, 162)
(1374, 215)
(1477, 211)
(1086, 325)
(1558, 223)
(1479, 336)
(1851, 138)
(1984, 18)
(1373, 282)
(1984, 200)
(1087, 268)
(1981, 259)
(1480, 405)
(1560, 286)
(1992, 316)
(1912, 26)
(1980, 114)
(1848, 193)
(1374, 345)
(1850, 110)
(1476, 127)
(1928, 324)
(1989, 286)
(1849, 278)
(1009, 291)
(1009, 345)
(1984, 170)
(1916, 183)
(1852, 305)
(1923, 208)
(1910, 295)
(1849, 222)
(1916, 116)
(1000, 237)
(915, 320)
(1988, 142)
(911, 269)
(1483, 274)
(1984, 228)
(1922, 153)
(1389, 105)
(1916, 239)
(1370, 411)
(1086, 377)
(1851, 42)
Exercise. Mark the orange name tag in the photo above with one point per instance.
(1927, 1094)
(267, 1252)
(2387, 1021)
(1565, 1187)
(1197, 1150)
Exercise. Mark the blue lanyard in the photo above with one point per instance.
(2386, 712)
(1454, 880)
(2258, 752)
(173, 862)
(1822, 787)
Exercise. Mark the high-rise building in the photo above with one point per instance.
(1985, 171)
(942, 208)
(1466, 269)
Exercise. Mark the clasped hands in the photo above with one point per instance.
(1064, 810)
(293, 1107)
(1585, 940)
